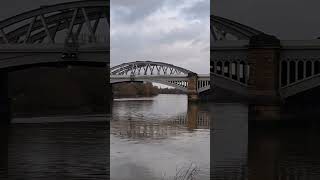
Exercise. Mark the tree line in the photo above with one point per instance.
(135, 89)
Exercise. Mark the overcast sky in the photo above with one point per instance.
(287, 19)
(171, 31)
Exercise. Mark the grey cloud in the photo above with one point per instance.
(198, 10)
(130, 11)
(175, 32)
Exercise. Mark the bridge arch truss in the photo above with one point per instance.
(78, 19)
(157, 72)
(224, 29)
(148, 68)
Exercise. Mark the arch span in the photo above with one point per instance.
(158, 72)
(45, 22)
(148, 68)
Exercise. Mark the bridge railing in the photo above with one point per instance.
(178, 81)
(229, 60)
(203, 83)
(299, 62)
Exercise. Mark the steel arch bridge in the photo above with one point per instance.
(157, 72)
(67, 32)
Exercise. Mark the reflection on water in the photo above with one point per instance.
(262, 151)
(284, 153)
(3, 153)
(154, 138)
(229, 141)
(64, 150)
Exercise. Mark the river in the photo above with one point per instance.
(152, 138)
(162, 137)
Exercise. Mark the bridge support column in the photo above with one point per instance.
(109, 95)
(193, 110)
(192, 87)
(263, 73)
(5, 113)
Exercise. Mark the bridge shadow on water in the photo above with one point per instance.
(262, 150)
(58, 150)
(3, 152)
(287, 148)
(281, 151)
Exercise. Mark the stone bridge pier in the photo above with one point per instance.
(249, 74)
(263, 83)
(192, 87)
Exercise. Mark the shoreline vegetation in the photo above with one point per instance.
(134, 89)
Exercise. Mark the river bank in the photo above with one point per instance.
(137, 90)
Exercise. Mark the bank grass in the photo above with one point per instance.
(189, 172)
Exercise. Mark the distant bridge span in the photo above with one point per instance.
(159, 72)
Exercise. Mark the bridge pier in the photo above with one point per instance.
(192, 87)
(5, 113)
(192, 115)
(263, 82)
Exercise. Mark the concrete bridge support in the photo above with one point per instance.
(5, 113)
(263, 82)
(192, 87)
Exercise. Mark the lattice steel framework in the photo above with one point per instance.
(44, 23)
(157, 72)
(222, 29)
(148, 68)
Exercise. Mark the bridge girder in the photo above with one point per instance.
(180, 83)
(36, 25)
(220, 27)
(148, 68)
(157, 72)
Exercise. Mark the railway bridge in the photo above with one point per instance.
(73, 33)
(162, 73)
(249, 65)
